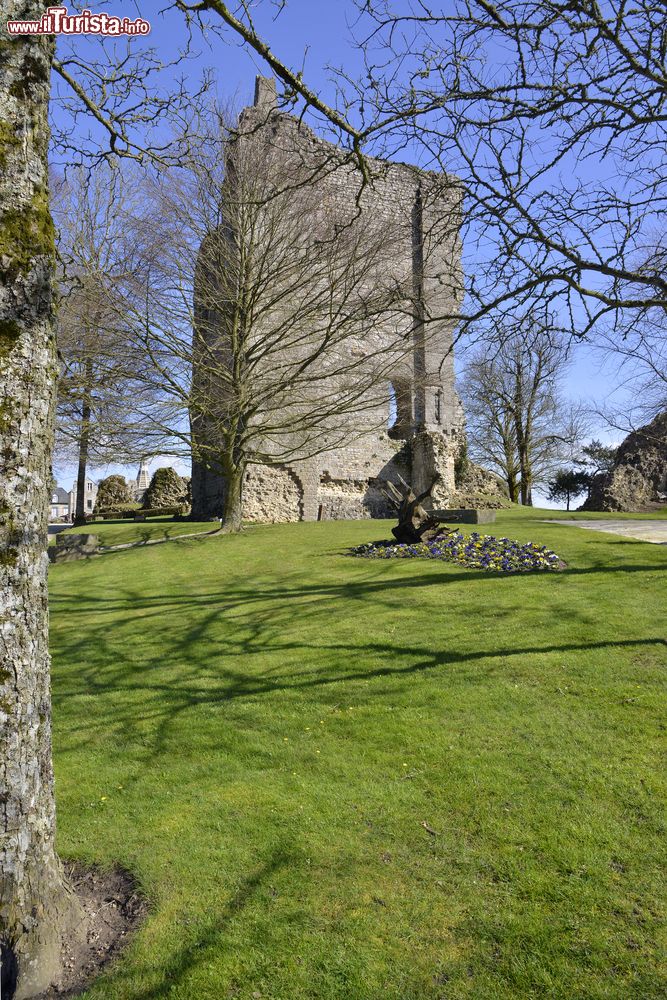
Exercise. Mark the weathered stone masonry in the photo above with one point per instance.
(428, 429)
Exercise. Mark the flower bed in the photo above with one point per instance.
(474, 551)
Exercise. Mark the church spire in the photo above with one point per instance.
(144, 476)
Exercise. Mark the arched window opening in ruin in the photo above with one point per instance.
(400, 408)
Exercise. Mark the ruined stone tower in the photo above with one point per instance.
(417, 429)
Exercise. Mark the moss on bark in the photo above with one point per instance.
(9, 140)
(34, 73)
(10, 331)
(26, 233)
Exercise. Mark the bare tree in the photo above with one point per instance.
(91, 412)
(269, 313)
(489, 421)
(552, 115)
(96, 418)
(518, 422)
(635, 348)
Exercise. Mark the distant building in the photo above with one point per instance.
(137, 486)
(59, 507)
(89, 501)
(142, 482)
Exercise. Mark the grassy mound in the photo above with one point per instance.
(341, 779)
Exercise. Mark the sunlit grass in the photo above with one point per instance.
(346, 779)
(121, 532)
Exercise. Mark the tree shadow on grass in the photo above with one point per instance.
(145, 536)
(140, 662)
(148, 658)
(222, 648)
(207, 943)
(349, 589)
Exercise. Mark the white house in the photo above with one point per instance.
(89, 501)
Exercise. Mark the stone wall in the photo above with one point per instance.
(272, 493)
(638, 480)
(478, 488)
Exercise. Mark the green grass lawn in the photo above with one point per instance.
(260, 726)
(122, 531)
(587, 515)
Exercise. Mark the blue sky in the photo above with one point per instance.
(313, 35)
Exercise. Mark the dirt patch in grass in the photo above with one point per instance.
(113, 909)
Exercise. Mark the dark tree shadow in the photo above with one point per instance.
(195, 951)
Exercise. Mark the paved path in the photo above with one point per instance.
(644, 531)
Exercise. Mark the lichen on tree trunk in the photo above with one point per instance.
(36, 906)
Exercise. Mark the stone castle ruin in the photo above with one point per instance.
(415, 427)
(637, 480)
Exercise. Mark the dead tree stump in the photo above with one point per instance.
(415, 524)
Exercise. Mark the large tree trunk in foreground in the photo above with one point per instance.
(232, 509)
(36, 907)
